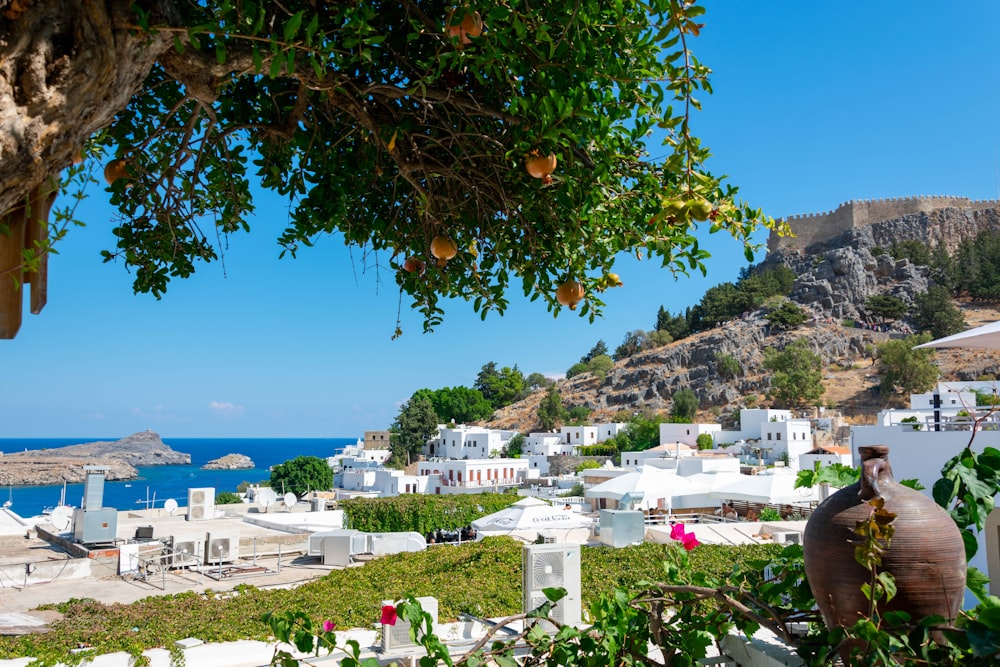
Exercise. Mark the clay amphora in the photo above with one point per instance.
(926, 555)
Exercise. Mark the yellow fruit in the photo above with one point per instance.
(569, 294)
(614, 280)
(699, 210)
(115, 169)
(443, 248)
(540, 166)
(462, 31)
(674, 207)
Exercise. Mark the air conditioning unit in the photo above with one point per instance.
(201, 504)
(787, 537)
(553, 566)
(186, 552)
(221, 548)
(396, 638)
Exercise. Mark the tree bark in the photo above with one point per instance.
(66, 68)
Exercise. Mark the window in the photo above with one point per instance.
(768, 436)
(778, 437)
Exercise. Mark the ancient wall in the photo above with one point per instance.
(813, 228)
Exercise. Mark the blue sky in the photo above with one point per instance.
(815, 104)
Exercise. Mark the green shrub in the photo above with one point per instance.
(227, 498)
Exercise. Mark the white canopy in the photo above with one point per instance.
(652, 485)
(986, 336)
(770, 487)
(528, 516)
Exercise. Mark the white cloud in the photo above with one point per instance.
(225, 408)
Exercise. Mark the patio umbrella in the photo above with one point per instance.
(651, 484)
(775, 488)
(529, 514)
(986, 337)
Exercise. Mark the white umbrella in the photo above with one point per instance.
(776, 488)
(530, 514)
(986, 336)
(651, 484)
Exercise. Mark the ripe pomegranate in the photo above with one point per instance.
(540, 166)
(443, 248)
(463, 29)
(413, 264)
(115, 169)
(569, 294)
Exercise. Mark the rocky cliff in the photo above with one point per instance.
(834, 280)
(66, 464)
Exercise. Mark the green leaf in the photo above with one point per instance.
(944, 491)
(978, 584)
(293, 24)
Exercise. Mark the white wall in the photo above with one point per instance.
(686, 433)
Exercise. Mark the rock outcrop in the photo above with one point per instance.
(66, 464)
(230, 462)
(835, 279)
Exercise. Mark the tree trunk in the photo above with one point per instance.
(66, 68)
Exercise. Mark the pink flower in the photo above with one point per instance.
(388, 615)
(328, 626)
(677, 531)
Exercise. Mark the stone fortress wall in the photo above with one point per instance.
(813, 228)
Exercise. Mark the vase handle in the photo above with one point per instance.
(870, 470)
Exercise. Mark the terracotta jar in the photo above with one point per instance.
(926, 555)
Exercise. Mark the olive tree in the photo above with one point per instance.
(459, 149)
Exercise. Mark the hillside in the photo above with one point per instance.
(834, 280)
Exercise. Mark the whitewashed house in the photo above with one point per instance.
(785, 441)
(824, 456)
(383, 482)
(467, 442)
(661, 456)
(580, 436)
(752, 421)
(687, 433)
(474, 475)
(547, 444)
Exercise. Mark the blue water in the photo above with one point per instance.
(164, 482)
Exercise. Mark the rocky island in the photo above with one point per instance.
(230, 462)
(65, 464)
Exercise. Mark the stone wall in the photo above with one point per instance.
(813, 228)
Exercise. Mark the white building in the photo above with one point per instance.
(687, 433)
(580, 436)
(661, 456)
(474, 475)
(751, 424)
(467, 442)
(825, 456)
(384, 482)
(547, 444)
(785, 441)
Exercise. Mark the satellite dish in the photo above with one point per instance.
(289, 500)
(170, 505)
(266, 498)
(61, 518)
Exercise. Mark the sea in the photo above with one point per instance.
(158, 483)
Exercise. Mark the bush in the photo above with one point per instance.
(769, 514)
(421, 513)
(705, 441)
(227, 498)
